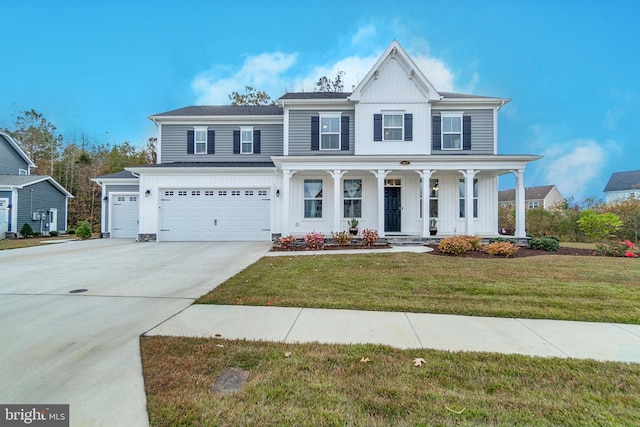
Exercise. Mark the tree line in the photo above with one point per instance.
(74, 162)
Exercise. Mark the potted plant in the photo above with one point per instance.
(353, 226)
(433, 226)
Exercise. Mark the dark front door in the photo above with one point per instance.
(391, 209)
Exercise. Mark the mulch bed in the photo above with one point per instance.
(522, 252)
(329, 248)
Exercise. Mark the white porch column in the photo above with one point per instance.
(381, 175)
(285, 193)
(337, 176)
(520, 207)
(469, 174)
(426, 195)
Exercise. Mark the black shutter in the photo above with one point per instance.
(211, 141)
(377, 127)
(466, 132)
(436, 133)
(190, 141)
(236, 141)
(344, 133)
(408, 127)
(315, 133)
(256, 142)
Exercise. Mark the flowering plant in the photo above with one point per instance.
(314, 240)
(342, 237)
(625, 248)
(286, 241)
(369, 237)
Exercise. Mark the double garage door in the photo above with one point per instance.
(214, 214)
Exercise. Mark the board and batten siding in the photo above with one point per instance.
(174, 144)
(300, 133)
(41, 196)
(114, 188)
(481, 132)
(10, 161)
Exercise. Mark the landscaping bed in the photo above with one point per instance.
(330, 247)
(521, 253)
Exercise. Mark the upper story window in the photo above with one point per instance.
(329, 131)
(246, 140)
(200, 140)
(452, 131)
(392, 124)
(23, 172)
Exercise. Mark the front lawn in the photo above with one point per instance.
(329, 385)
(31, 241)
(583, 288)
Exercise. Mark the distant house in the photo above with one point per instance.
(546, 197)
(37, 200)
(622, 185)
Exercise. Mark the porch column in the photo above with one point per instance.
(381, 175)
(337, 176)
(286, 177)
(520, 207)
(468, 201)
(426, 195)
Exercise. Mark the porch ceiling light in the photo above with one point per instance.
(405, 162)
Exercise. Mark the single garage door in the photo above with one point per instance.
(124, 216)
(214, 214)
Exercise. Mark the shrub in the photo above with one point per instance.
(599, 226)
(625, 248)
(26, 230)
(71, 231)
(342, 237)
(314, 240)
(83, 230)
(505, 249)
(456, 245)
(556, 238)
(501, 239)
(53, 233)
(369, 237)
(474, 241)
(544, 244)
(37, 234)
(286, 241)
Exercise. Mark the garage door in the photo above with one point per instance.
(124, 216)
(214, 214)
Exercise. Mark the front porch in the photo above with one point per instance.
(323, 194)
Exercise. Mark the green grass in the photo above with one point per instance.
(579, 245)
(328, 385)
(547, 287)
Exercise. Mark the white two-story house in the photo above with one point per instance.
(394, 154)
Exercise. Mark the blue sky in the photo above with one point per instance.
(570, 68)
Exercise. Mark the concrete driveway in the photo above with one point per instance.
(82, 349)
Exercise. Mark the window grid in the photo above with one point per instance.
(246, 140)
(352, 195)
(330, 132)
(392, 127)
(313, 198)
(200, 146)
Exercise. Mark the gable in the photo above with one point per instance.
(395, 77)
(621, 181)
(12, 158)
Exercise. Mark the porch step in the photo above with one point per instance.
(405, 240)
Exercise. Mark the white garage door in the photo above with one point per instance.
(124, 216)
(208, 214)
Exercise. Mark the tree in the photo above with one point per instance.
(39, 139)
(629, 212)
(325, 84)
(599, 226)
(251, 97)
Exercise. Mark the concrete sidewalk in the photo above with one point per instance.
(546, 338)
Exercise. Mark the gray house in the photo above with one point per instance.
(37, 200)
(545, 196)
(622, 185)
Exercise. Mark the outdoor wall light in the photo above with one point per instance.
(105, 198)
(277, 193)
(147, 193)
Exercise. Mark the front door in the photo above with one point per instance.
(391, 209)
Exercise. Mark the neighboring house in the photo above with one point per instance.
(622, 185)
(545, 196)
(316, 160)
(37, 200)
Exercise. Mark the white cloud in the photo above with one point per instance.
(263, 71)
(364, 33)
(574, 165)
